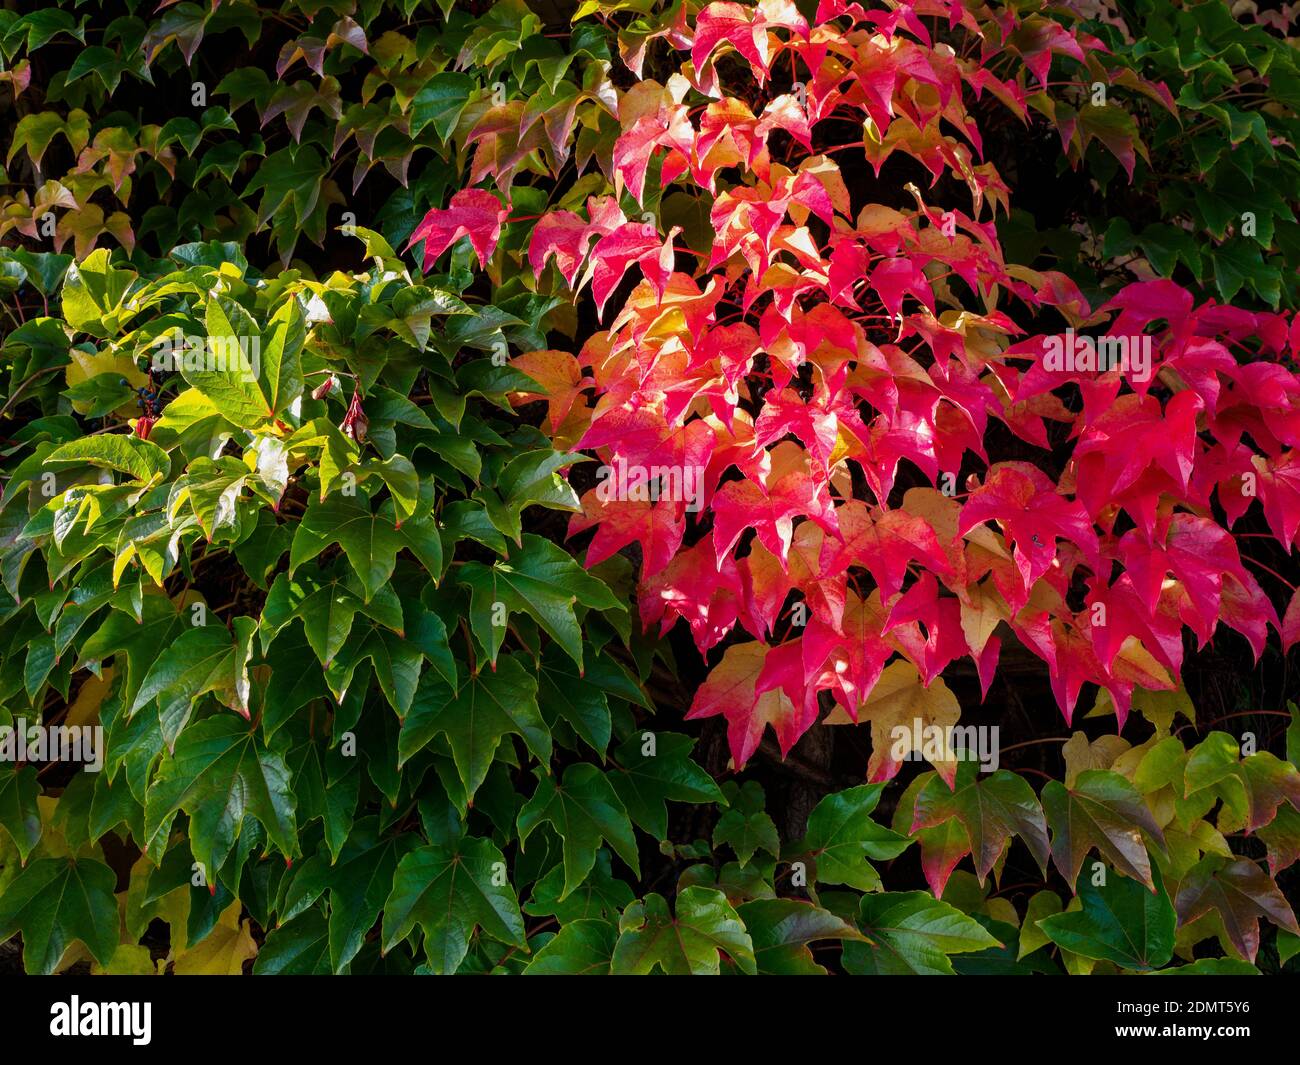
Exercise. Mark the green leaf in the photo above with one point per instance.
(564, 693)
(781, 930)
(1043, 904)
(1238, 263)
(19, 814)
(532, 477)
(912, 932)
(449, 891)
(475, 716)
(540, 580)
(43, 24)
(94, 293)
(201, 660)
(990, 810)
(600, 895)
(370, 541)
(1252, 787)
(440, 102)
(280, 373)
(1211, 967)
(297, 948)
(686, 943)
(399, 476)
(296, 679)
(1162, 764)
(841, 837)
(358, 884)
(1102, 810)
(44, 270)
(397, 662)
(99, 396)
(1288, 946)
(1165, 246)
(746, 827)
(1122, 921)
(220, 774)
(652, 768)
(139, 459)
(1240, 892)
(327, 605)
(584, 809)
(137, 640)
(580, 948)
(224, 370)
(55, 901)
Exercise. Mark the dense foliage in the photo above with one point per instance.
(355, 507)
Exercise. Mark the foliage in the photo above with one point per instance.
(293, 533)
(1212, 198)
(245, 123)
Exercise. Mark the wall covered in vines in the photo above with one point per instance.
(550, 487)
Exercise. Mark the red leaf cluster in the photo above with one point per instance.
(762, 405)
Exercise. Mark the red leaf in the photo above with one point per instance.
(1291, 623)
(894, 278)
(1033, 514)
(695, 587)
(632, 242)
(657, 527)
(475, 213)
(884, 545)
(729, 691)
(770, 511)
(565, 236)
(848, 661)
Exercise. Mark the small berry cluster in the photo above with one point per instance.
(147, 397)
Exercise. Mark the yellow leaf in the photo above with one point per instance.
(85, 365)
(644, 98)
(173, 909)
(223, 952)
(1127, 762)
(1081, 754)
(942, 512)
(1003, 910)
(85, 707)
(1043, 904)
(1158, 707)
(128, 960)
(74, 955)
(906, 716)
(981, 611)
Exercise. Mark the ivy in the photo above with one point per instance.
(382, 384)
